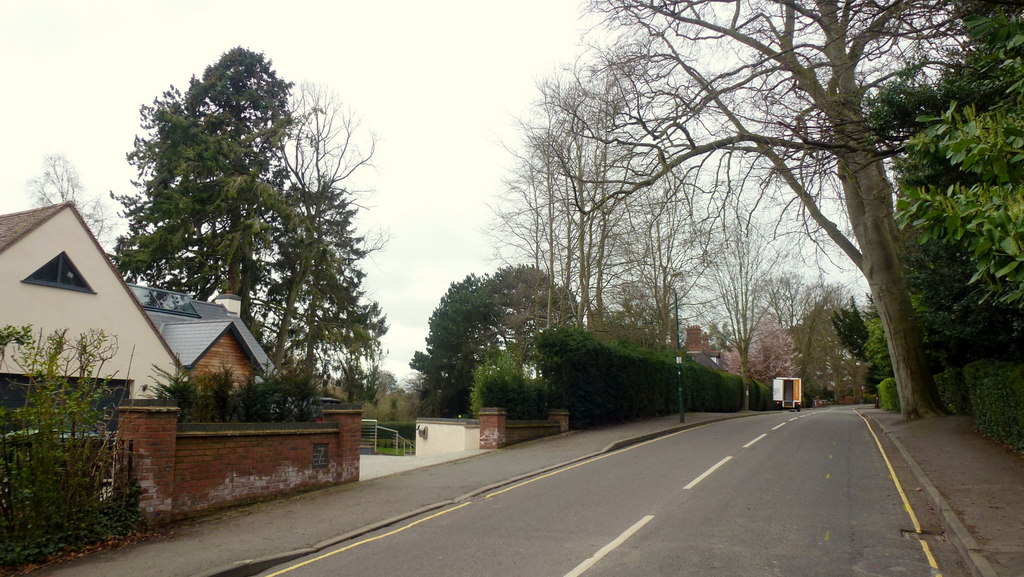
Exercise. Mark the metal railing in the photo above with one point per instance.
(375, 437)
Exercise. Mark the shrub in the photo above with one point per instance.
(997, 398)
(953, 393)
(287, 396)
(64, 485)
(890, 396)
(500, 382)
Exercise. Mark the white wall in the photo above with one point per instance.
(446, 436)
(112, 308)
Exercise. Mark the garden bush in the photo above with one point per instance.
(500, 382)
(953, 393)
(65, 485)
(889, 396)
(997, 399)
(283, 397)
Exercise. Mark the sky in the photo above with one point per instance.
(440, 83)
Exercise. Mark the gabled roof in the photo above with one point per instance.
(15, 225)
(191, 337)
(710, 359)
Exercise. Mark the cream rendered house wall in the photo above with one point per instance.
(112, 308)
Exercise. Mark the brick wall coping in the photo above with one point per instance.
(242, 429)
(510, 424)
(440, 421)
(342, 409)
(149, 405)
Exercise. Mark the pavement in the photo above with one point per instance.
(973, 484)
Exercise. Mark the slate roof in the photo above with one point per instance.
(15, 225)
(710, 359)
(191, 337)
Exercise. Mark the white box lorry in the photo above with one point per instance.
(786, 393)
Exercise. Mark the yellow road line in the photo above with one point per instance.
(370, 540)
(906, 502)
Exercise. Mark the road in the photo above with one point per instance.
(787, 494)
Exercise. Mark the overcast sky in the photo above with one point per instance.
(439, 82)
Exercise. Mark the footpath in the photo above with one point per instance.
(973, 484)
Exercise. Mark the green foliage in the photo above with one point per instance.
(953, 392)
(476, 315)
(851, 329)
(877, 349)
(982, 206)
(600, 383)
(284, 397)
(209, 181)
(500, 382)
(997, 398)
(888, 394)
(959, 326)
(64, 483)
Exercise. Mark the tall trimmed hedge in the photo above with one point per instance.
(600, 383)
(996, 392)
(888, 395)
(953, 392)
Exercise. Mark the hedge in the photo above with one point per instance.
(600, 383)
(953, 392)
(500, 382)
(889, 396)
(996, 390)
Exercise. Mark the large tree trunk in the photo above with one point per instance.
(869, 204)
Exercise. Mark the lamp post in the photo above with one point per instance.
(679, 361)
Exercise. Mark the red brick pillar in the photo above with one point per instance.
(350, 423)
(492, 428)
(148, 428)
(561, 417)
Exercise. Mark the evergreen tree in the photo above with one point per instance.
(461, 329)
(209, 181)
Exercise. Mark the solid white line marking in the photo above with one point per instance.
(755, 440)
(694, 482)
(778, 426)
(582, 567)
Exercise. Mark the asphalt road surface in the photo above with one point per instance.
(786, 493)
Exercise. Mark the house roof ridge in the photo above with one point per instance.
(15, 225)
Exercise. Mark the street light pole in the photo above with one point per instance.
(679, 361)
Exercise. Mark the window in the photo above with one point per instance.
(61, 273)
(163, 301)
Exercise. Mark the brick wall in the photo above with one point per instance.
(520, 431)
(185, 470)
(497, 432)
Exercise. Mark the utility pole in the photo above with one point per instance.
(679, 361)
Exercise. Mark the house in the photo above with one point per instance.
(698, 348)
(205, 336)
(54, 275)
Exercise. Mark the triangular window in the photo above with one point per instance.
(59, 272)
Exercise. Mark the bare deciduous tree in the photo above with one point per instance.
(780, 86)
(318, 314)
(60, 182)
(739, 266)
(621, 259)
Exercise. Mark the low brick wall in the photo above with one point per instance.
(520, 431)
(496, 431)
(185, 470)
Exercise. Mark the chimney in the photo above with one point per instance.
(233, 303)
(694, 339)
